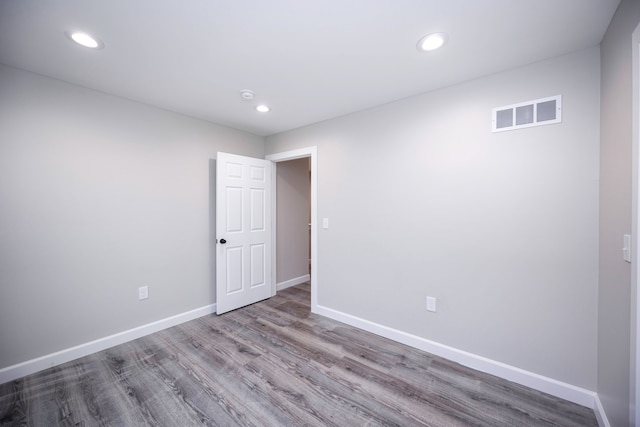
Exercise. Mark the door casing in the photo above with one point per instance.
(312, 154)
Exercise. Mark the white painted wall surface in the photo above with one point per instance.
(99, 196)
(293, 188)
(501, 228)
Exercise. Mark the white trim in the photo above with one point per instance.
(29, 367)
(312, 153)
(601, 416)
(548, 385)
(274, 228)
(293, 282)
(284, 156)
(634, 386)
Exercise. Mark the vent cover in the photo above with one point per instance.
(544, 111)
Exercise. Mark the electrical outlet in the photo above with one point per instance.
(143, 292)
(431, 304)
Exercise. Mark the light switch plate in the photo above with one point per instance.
(325, 223)
(431, 304)
(626, 247)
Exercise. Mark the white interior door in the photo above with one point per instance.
(243, 231)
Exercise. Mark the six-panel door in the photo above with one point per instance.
(243, 221)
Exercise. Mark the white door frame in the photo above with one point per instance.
(634, 409)
(312, 153)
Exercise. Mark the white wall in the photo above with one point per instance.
(502, 228)
(293, 188)
(614, 299)
(99, 196)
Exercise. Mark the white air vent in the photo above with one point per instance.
(540, 112)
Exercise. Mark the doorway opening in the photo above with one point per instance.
(293, 223)
(305, 216)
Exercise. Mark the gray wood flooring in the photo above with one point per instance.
(274, 364)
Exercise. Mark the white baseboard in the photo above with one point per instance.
(289, 283)
(19, 370)
(600, 414)
(553, 387)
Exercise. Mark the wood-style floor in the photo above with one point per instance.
(274, 364)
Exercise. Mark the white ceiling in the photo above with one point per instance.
(309, 60)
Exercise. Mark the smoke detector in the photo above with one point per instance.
(247, 95)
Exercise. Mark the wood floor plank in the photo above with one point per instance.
(274, 364)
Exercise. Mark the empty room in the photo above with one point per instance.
(195, 202)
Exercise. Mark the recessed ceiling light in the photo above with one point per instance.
(432, 42)
(84, 39)
(262, 108)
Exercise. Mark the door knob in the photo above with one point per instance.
(223, 241)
